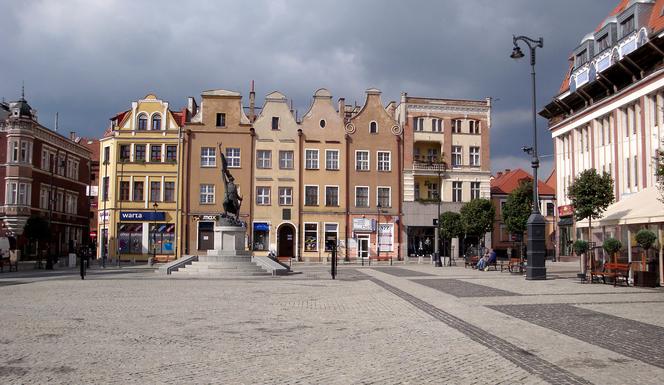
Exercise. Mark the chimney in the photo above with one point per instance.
(252, 103)
(507, 171)
(342, 108)
(72, 135)
(499, 174)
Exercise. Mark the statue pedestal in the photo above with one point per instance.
(229, 242)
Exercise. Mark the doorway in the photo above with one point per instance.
(286, 240)
(363, 246)
(205, 235)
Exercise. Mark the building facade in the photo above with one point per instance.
(219, 124)
(139, 184)
(374, 149)
(44, 175)
(608, 116)
(323, 188)
(93, 189)
(446, 160)
(275, 221)
(502, 241)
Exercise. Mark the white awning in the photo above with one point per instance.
(638, 208)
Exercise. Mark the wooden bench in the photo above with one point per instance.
(612, 270)
(471, 261)
(513, 264)
(10, 261)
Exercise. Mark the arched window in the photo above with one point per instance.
(142, 122)
(156, 122)
(373, 127)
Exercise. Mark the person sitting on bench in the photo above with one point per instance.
(488, 259)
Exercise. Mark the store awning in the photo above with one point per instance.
(638, 208)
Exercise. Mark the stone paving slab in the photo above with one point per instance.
(401, 272)
(459, 288)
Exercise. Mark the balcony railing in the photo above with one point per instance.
(429, 166)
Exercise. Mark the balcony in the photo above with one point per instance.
(429, 166)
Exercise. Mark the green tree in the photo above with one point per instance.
(590, 194)
(518, 208)
(659, 172)
(477, 217)
(646, 239)
(450, 227)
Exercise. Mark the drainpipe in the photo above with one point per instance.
(347, 137)
(188, 184)
(400, 197)
(300, 239)
(250, 225)
(178, 201)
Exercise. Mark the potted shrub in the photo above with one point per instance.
(580, 249)
(612, 246)
(645, 238)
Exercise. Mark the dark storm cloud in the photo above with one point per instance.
(90, 59)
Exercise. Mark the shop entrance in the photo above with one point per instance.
(286, 240)
(363, 246)
(205, 235)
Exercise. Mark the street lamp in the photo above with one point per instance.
(439, 166)
(536, 269)
(154, 233)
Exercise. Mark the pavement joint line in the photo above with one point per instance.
(518, 356)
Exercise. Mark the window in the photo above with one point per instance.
(331, 159)
(362, 160)
(261, 236)
(221, 119)
(310, 236)
(456, 126)
(386, 236)
(18, 193)
(104, 188)
(286, 160)
(384, 163)
(72, 168)
(155, 153)
(627, 26)
(139, 153)
(432, 191)
(60, 201)
(437, 125)
(474, 190)
(418, 124)
(138, 191)
(432, 155)
(26, 152)
(456, 191)
(636, 172)
(45, 160)
(474, 126)
(107, 154)
(311, 195)
(456, 156)
(70, 204)
(61, 164)
(124, 152)
(373, 128)
(171, 153)
(208, 157)
(384, 198)
(311, 159)
(581, 58)
(142, 122)
(275, 122)
(264, 159)
(207, 194)
(124, 190)
(417, 190)
(156, 122)
(627, 173)
(550, 209)
(475, 156)
(285, 196)
(361, 196)
(331, 235)
(164, 238)
(233, 157)
(603, 43)
(130, 239)
(43, 197)
(155, 191)
(13, 151)
(322, 123)
(654, 112)
(332, 196)
(262, 195)
(169, 191)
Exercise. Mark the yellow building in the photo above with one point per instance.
(139, 172)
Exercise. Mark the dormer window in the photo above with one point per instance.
(373, 128)
(603, 42)
(582, 58)
(627, 26)
(142, 122)
(156, 122)
(275, 122)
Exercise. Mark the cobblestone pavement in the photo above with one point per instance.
(371, 325)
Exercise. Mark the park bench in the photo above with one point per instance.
(612, 270)
(11, 261)
(471, 261)
(515, 265)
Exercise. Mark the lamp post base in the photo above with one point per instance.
(536, 269)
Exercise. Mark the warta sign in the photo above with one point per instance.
(142, 215)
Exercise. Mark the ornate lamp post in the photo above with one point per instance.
(536, 269)
(439, 166)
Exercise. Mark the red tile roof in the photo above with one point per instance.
(92, 144)
(506, 181)
(551, 180)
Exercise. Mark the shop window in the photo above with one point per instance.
(310, 236)
(130, 238)
(261, 236)
(162, 238)
(331, 235)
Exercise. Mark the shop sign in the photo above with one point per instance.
(363, 224)
(103, 216)
(207, 217)
(565, 210)
(260, 226)
(142, 215)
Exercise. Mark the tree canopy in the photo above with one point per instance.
(590, 194)
(477, 217)
(450, 225)
(518, 207)
(36, 228)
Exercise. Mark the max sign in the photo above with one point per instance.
(142, 215)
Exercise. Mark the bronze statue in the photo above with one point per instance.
(232, 200)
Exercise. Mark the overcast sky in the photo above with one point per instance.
(88, 59)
